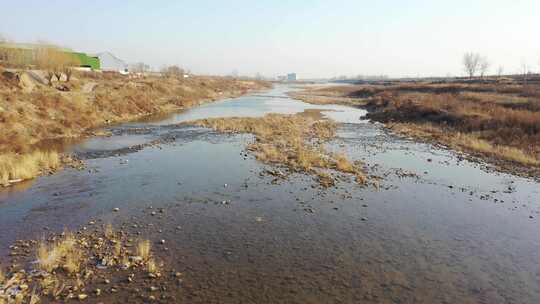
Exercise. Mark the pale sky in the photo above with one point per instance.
(310, 37)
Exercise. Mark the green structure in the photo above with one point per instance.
(26, 54)
(88, 61)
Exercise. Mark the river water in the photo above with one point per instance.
(452, 231)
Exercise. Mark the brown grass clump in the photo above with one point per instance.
(109, 231)
(295, 141)
(16, 167)
(152, 267)
(64, 254)
(143, 249)
(343, 164)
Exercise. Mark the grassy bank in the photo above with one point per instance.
(498, 122)
(17, 167)
(31, 112)
(293, 141)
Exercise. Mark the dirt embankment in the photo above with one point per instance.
(499, 123)
(31, 111)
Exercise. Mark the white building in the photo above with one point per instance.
(111, 63)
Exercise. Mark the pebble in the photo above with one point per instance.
(82, 297)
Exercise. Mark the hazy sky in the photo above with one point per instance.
(310, 37)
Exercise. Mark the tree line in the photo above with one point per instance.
(477, 65)
(50, 58)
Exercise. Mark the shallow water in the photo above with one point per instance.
(452, 233)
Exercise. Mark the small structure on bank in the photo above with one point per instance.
(111, 63)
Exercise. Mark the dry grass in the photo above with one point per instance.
(68, 264)
(499, 120)
(295, 141)
(29, 117)
(109, 231)
(44, 113)
(15, 167)
(509, 153)
(65, 254)
(152, 267)
(144, 249)
(471, 142)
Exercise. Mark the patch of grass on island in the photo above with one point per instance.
(295, 141)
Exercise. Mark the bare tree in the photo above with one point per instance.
(484, 66)
(525, 71)
(12, 56)
(139, 67)
(56, 62)
(471, 62)
(173, 71)
(500, 71)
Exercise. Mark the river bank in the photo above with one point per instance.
(33, 114)
(497, 123)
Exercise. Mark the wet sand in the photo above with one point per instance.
(439, 229)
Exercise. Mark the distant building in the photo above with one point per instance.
(111, 63)
(291, 77)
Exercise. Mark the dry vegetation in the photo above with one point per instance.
(295, 141)
(77, 266)
(500, 121)
(31, 112)
(16, 167)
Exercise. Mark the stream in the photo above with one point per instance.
(438, 229)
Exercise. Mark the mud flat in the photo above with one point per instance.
(437, 229)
